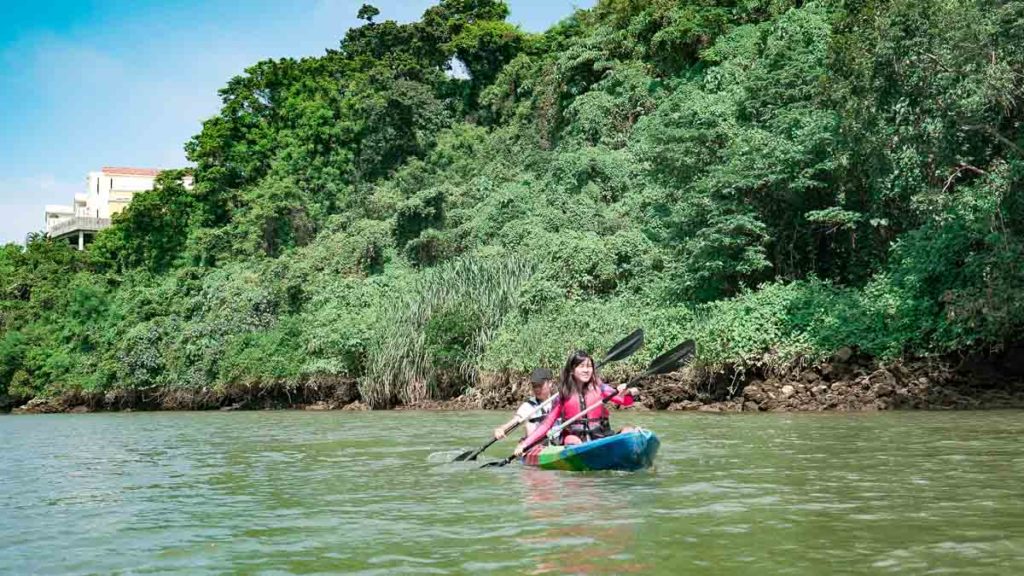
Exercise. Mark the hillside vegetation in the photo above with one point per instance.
(427, 203)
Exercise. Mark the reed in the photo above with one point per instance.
(476, 295)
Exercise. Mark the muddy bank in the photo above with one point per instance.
(312, 393)
(850, 382)
(847, 382)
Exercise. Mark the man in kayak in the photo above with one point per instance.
(581, 387)
(541, 380)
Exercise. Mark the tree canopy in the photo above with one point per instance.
(769, 175)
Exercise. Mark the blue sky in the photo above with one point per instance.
(87, 84)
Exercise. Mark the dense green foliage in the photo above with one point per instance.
(776, 178)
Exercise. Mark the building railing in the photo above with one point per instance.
(76, 224)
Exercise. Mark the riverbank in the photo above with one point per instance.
(847, 382)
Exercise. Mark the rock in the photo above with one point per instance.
(710, 408)
(755, 392)
(882, 376)
(844, 354)
(788, 391)
(749, 406)
(39, 406)
(882, 389)
(685, 405)
(357, 405)
(810, 377)
(820, 390)
(80, 410)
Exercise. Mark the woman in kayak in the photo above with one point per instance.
(581, 387)
(527, 412)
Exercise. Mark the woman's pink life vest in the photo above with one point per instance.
(567, 408)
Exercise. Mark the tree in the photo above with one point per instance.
(368, 13)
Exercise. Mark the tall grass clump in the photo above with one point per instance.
(430, 341)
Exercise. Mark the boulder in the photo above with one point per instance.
(755, 392)
(882, 389)
(39, 406)
(826, 369)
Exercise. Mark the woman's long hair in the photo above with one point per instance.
(568, 387)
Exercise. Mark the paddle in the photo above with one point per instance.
(667, 362)
(622, 349)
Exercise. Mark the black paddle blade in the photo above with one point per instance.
(624, 348)
(499, 463)
(673, 359)
(472, 454)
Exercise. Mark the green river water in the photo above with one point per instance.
(373, 493)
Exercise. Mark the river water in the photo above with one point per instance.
(373, 493)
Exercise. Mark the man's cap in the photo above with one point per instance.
(539, 375)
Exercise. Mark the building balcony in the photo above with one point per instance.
(76, 224)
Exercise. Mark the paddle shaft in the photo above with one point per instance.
(622, 349)
(512, 427)
(558, 429)
(547, 403)
(536, 411)
(666, 362)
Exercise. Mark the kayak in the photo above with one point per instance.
(630, 451)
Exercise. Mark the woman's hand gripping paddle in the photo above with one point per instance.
(668, 362)
(622, 349)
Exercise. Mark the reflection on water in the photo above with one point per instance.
(375, 493)
(574, 532)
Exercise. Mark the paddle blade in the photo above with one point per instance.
(472, 454)
(624, 348)
(673, 359)
(499, 463)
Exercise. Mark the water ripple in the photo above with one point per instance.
(376, 493)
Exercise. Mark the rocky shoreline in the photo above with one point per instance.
(850, 385)
(847, 382)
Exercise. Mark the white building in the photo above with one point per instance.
(107, 192)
